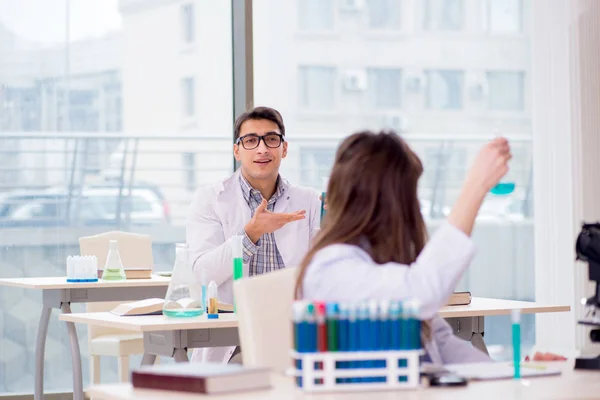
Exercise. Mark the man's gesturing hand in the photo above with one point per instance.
(265, 221)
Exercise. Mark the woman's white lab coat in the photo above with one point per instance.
(347, 273)
(219, 212)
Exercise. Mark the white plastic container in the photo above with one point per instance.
(401, 371)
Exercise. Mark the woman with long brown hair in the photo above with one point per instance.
(373, 243)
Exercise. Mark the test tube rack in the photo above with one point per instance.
(389, 369)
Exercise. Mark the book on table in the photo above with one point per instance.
(207, 378)
(133, 273)
(155, 306)
(459, 299)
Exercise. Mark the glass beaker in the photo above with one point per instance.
(113, 268)
(184, 296)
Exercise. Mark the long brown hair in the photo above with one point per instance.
(372, 199)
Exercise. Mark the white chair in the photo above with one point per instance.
(264, 310)
(135, 251)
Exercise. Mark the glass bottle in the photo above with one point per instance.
(184, 296)
(113, 268)
(213, 300)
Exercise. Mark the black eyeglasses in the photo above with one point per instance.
(252, 140)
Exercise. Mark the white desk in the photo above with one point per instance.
(468, 321)
(58, 293)
(168, 337)
(172, 337)
(571, 384)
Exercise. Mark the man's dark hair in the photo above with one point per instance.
(267, 113)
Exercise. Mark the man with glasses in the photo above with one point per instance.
(275, 218)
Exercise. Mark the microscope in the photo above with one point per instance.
(587, 248)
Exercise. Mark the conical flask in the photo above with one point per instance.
(113, 269)
(184, 296)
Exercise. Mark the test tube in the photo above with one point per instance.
(238, 262)
(343, 336)
(69, 268)
(363, 335)
(298, 310)
(213, 298)
(236, 254)
(413, 325)
(325, 183)
(515, 317)
(95, 267)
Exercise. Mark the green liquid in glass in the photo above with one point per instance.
(237, 268)
(192, 312)
(238, 273)
(112, 275)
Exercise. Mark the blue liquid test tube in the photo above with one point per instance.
(406, 326)
(374, 339)
(364, 339)
(343, 335)
(354, 334)
(416, 324)
(299, 338)
(395, 319)
(384, 325)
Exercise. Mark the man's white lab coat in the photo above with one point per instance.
(219, 212)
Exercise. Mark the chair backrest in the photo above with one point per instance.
(135, 251)
(264, 310)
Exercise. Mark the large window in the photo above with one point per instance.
(447, 90)
(385, 15)
(188, 23)
(503, 16)
(444, 15)
(188, 97)
(385, 88)
(315, 15)
(317, 88)
(506, 90)
(85, 111)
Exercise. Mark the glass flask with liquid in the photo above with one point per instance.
(324, 184)
(503, 188)
(113, 268)
(184, 295)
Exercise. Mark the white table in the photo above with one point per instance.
(172, 337)
(168, 337)
(468, 321)
(58, 293)
(571, 384)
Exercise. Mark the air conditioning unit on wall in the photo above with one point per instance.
(355, 80)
